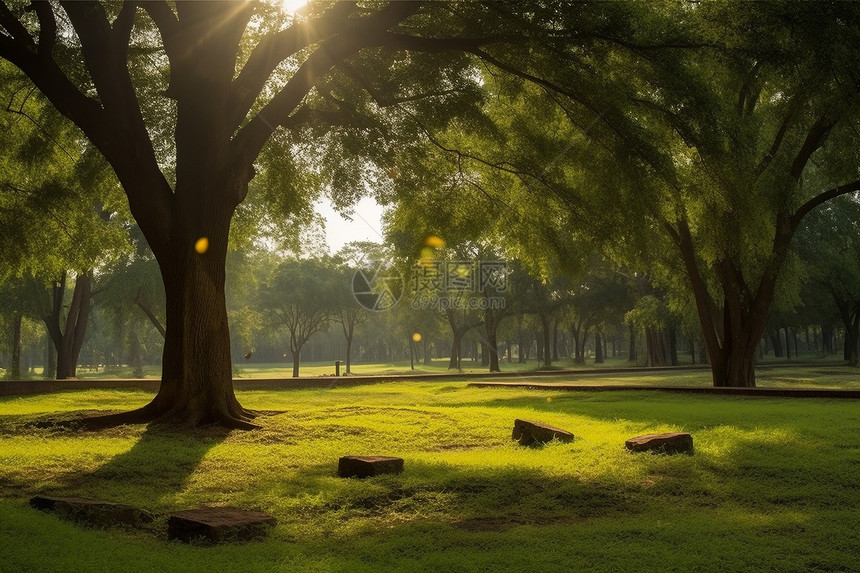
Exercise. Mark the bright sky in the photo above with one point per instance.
(366, 224)
(293, 5)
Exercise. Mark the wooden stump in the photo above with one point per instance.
(216, 525)
(668, 443)
(368, 466)
(537, 433)
(92, 511)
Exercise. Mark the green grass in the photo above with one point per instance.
(772, 487)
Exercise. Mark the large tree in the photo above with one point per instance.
(226, 75)
(708, 131)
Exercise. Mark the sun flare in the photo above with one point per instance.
(292, 6)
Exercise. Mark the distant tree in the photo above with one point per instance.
(61, 214)
(829, 244)
(301, 297)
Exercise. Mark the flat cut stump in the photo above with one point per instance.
(217, 525)
(668, 443)
(368, 466)
(92, 511)
(537, 433)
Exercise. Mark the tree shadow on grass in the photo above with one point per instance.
(148, 475)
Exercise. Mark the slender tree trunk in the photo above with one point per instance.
(851, 319)
(297, 358)
(673, 346)
(631, 355)
(50, 370)
(580, 337)
(547, 348)
(144, 306)
(827, 338)
(598, 348)
(491, 324)
(775, 341)
(349, 351)
(68, 341)
(454, 361)
(539, 343)
(15, 361)
(521, 346)
(427, 360)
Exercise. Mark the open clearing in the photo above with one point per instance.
(773, 485)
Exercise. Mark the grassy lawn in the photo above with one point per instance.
(773, 485)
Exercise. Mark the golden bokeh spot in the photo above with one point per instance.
(549, 399)
(416, 337)
(435, 242)
(463, 270)
(202, 245)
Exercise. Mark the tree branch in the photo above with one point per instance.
(165, 20)
(274, 49)
(821, 198)
(15, 28)
(123, 26)
(250, 139)
(814, 140)
(47, 27)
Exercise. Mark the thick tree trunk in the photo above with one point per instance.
(736, 368)
(598, 348)
(197, 385)
(657, 347)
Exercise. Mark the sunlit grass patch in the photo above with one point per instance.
(773, 480)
